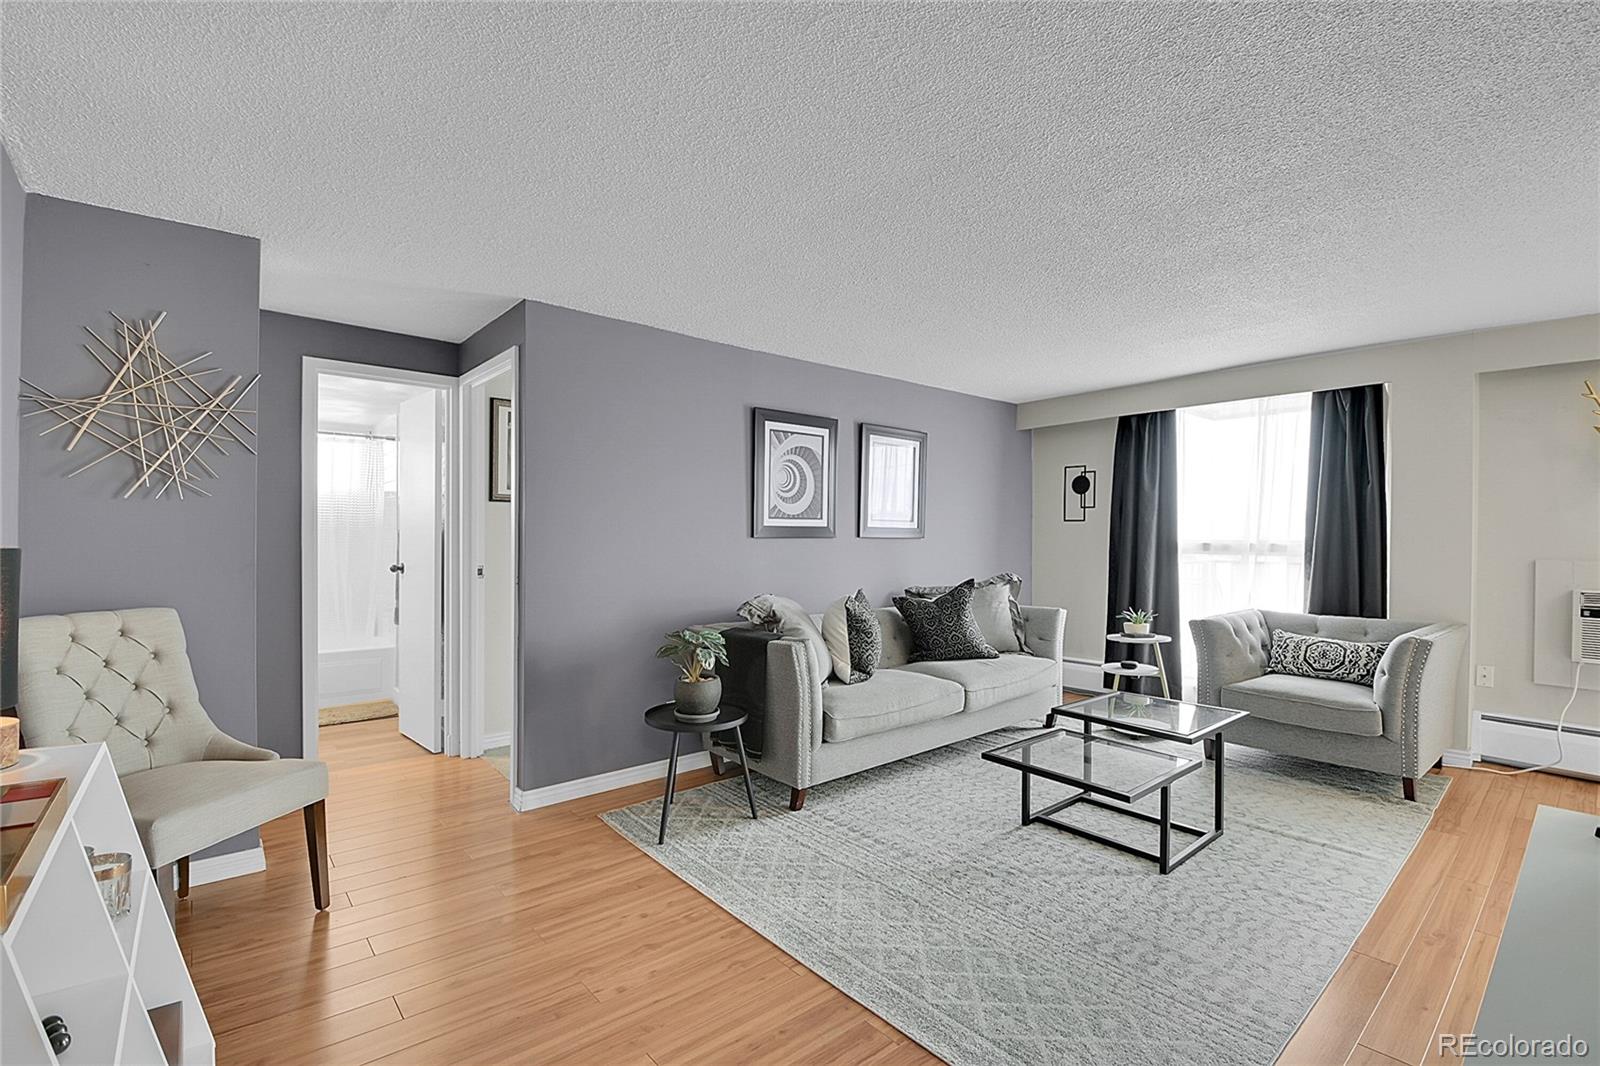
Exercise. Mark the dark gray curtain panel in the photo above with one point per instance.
(1347, 504)
(1144, 538)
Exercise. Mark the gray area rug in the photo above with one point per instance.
(913, 889)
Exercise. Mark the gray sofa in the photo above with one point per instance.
(818, 730)
(1401, 725)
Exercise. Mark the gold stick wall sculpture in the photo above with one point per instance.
(156, 411)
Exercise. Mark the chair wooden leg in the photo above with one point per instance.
(183, 877)
(797, 798)
(1408, 785)
(317, 847)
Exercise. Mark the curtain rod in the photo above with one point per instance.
(347, 433)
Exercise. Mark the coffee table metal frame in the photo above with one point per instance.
(1211, 738)
(1091, 792)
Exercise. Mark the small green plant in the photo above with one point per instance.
(1137, 617)
(695, 652)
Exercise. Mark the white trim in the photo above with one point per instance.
(1459, 757)
(493, 740)
(466, 605)
(1081, 673)
(311, 368)
(588, 786)
(222, 867)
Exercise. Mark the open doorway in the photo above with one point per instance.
(378, 513)
(489, 522)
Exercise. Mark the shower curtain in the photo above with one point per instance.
(356, 541)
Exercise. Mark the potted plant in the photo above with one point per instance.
(1136, 622)
(696, 653)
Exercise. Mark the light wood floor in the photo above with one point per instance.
(465, 933)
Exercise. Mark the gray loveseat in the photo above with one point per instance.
(1401, 725)
(819, 730)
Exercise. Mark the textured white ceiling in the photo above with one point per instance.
(1013, 200)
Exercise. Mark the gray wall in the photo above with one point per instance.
(285, 341)
(85, 548)
(13, 203)
(636, 477)
(504, 332)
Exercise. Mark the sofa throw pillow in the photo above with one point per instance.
(944, 628)
(790, 621)
(1324, 657)
(854, 639)
(995, 605)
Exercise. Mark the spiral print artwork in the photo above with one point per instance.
(795, 489)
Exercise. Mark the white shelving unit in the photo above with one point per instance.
(65, 955)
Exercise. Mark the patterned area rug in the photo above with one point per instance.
(914, 890)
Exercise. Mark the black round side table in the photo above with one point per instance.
(661, 717)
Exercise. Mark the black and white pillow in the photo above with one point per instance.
(944, 629)
(854, 638)
(1332, 660)
(994, 604)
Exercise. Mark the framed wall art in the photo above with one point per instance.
(792, 474)
(894, 482)
(500, 445)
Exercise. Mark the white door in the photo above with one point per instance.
(417, 643)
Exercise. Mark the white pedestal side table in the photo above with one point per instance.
(1159, 669)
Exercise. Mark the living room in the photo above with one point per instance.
(896, 410)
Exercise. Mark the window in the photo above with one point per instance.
(1241, 509)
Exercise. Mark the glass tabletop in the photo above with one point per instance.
(1112, 767)
(1152, 715)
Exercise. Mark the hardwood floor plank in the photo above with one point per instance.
(1393, 925)
(1410, 1008)
(1466, 996)
(1329, 1033)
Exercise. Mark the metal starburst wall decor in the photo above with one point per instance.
(156, 412)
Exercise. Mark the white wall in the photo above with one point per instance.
(499, 662)
(1433, 385)
(1069, 558)
(1538, 489)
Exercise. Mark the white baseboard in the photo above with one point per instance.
(221, 867)
(1081, 673)
(534, 798)
(1459, 757)
(1517, 741)
(496, 740)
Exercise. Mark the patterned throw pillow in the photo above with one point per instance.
(995, 606)
(945, 629)
(1324, 657)
(855, 641)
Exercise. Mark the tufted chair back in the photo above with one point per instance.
(121, 677)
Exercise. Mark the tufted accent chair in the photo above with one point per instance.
(122, 678)
(1401, 725)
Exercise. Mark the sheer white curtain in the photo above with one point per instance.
(893, 484)
(1241, 508)
(356, 531)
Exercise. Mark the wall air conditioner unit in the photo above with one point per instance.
(1585, 626)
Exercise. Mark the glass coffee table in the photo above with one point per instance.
(1113, 774)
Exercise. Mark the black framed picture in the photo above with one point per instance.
(792, 474)
(500, 439)
(894, 482)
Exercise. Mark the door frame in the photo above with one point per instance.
(469, 521)
(312, 368)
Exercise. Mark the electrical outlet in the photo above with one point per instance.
(1486, 677)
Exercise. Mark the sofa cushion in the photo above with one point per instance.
(1331, 706)
(945, 628)
(995, 604)
(987, 682)
(1324, 657)
(182, 808)
(887, 700)
(897, 649)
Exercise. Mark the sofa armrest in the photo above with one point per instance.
(794, 713)
(1229, 648)
(222, 746)
(1044, 632)
(1416, 690)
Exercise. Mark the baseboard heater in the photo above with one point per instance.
(1082, 673)
(1504, 738)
